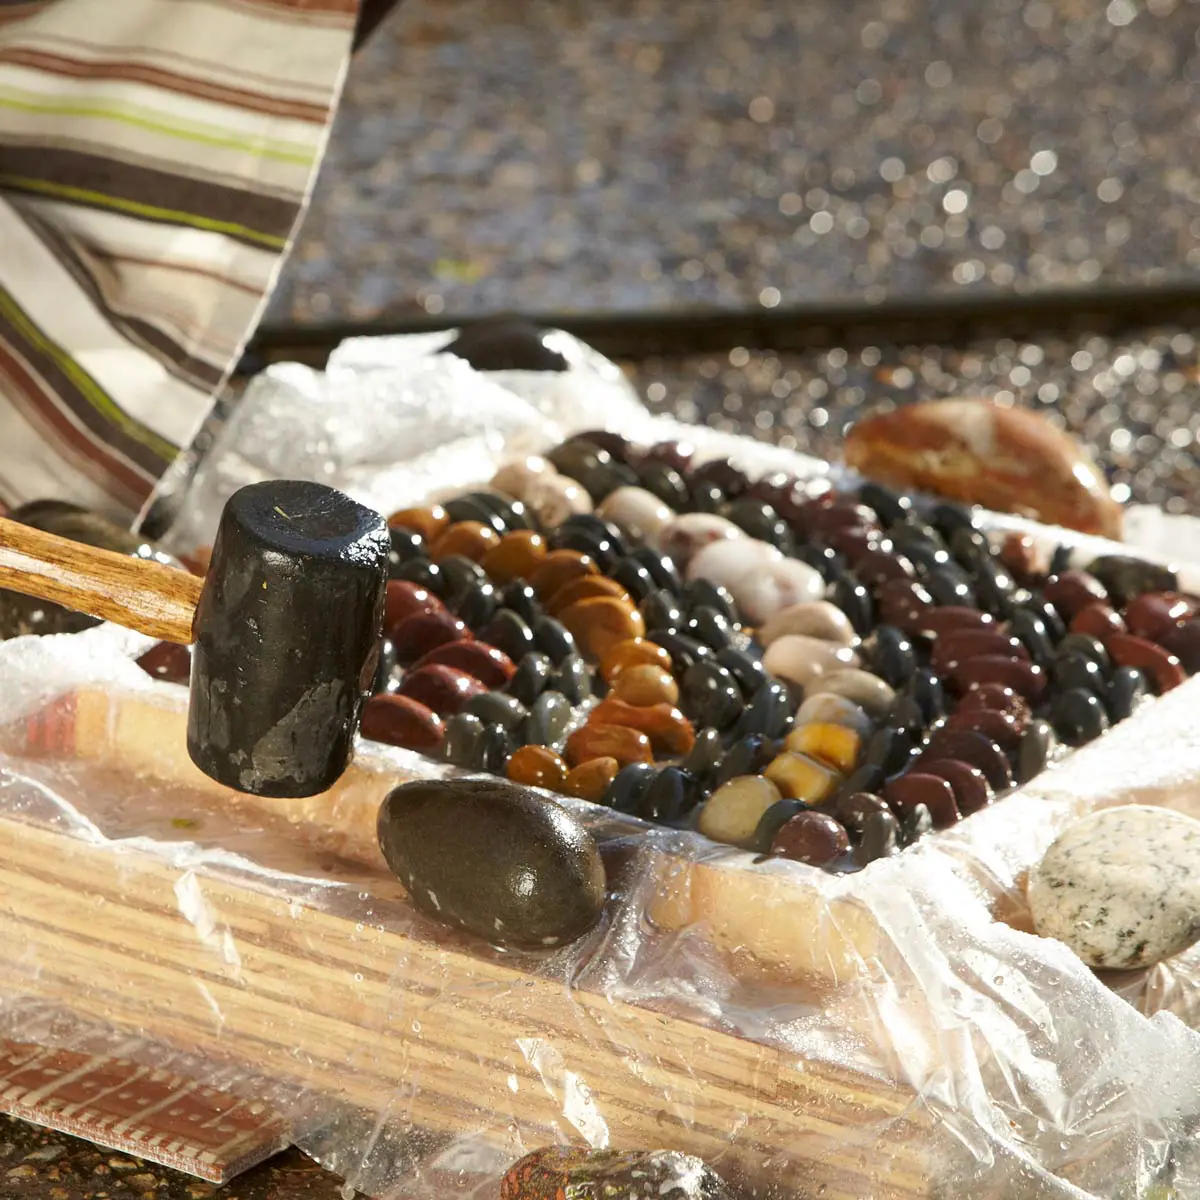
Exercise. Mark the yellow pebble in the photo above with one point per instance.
(732, 813)
(799, 777)
(834, 745)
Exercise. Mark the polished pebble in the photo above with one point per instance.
(811, 837)
(1033, 754)
(406, 599)
(1126, 578)
(510, 633)
(537, 766)
(805, 660)
(671, 794)
(776, 585)
(768, 712)
(1183, 642)
(1078, 716)
(1001, 727)
(1001, 699)
(634, 578)
(1072, 591)
(1098, 620)
(960, 645)
(531, 677)
(462, 734)
(889, 749)
(971, 747)
(667, 728)
(553, 639)
(709, 695)
(601, 623)
(891, 655)
(880, 839)
(495, 708)
(515, 557)
(557, 569)
(590, 780)
(553, 498)
(629, 786)
(1025, 678)
(1155, 613)
(837, 710)
(864, 689)
(403, 721)
(747, 755)
(687, 535)
(661, 611)
(583, 587)
(1160, 664)
(834, 745)
(916, 787)
(517, 475)
(422, 632)
(444, 689)
(620, 742)
(733, 812)
(745, 666)
(646, 684)
(1127, 688)
(471, 539)
(817, 619)
(549, 719)
(173, 663)
(636, 512)
(971, 789)
(633, 652)
(799, 777)
(520, 598)
(853, 808)
(573, 679)
(430, 522)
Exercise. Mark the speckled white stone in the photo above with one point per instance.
(1121, 887)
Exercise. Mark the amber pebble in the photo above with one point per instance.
(493, 668)
(646, 684)
(402, 721)
(591, 779)
(444, 689)
(666, 727)
(937, 622)
(471, 539)
(602, 622)
(167, 661)
(585, 587)
(1025, 678)
(1097, 620)
(960, 644)
(1002, 699)
(559, 567)
(405, 599)
(1001, 727)
(622, 742)
(971, 788)
(1162, 665)
(515, 557)
(811, 837)
(834, 745)
(538, 766)
(1073, 590)
(631, 654)
(422, 632)
(799, 777)
(429, 522)
(906, 791)
(1153, 614)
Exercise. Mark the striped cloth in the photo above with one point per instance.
(155, 159)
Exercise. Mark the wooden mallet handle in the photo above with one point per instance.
(154, 599)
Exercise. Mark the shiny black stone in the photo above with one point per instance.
(662, 570)
(1126, 578)
(709, 695)
(575, 458)
(496, 708)
(506, 345)
(667, 484)
(386, 679)
(573, 679)
(1090, 647)
(522, 599)
(951, 585)
(905, 713)
(531, 678)
(672, 793)
(915, 824)
(925, 554)
(746, 756)
(969, 547)
(553, 639)
(629, 786)
(1078, 716)
(604, 530)
(1031, 630)
(995, 588)
(745, 667)
(595, 545)
(880, 838)
(1073, 671)
(472, 508)
(1033, 753)
(889, 749)
(494, 749)
(710, 627)
(477, 606)
(888, 505)
(891, 656)
(927, 691)
(700, 592)
(424, 573)
(661, 611)
(548, 719)
(604, 479)
(684, 650)
(1060, 560)
(821, 558)
(707, 497)
(513, 512)
(769, 711)
(463, 732)
(772, 821)
(461, 574)
(705, 756)
(633, 577)
(853, 809)
(721, 473)
(1039, 606)
(947, 517)
(510, 633)
(855, 601)
(866, 777)
(1127, 687)
(759, 520)
(406, 544)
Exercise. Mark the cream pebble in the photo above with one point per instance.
(865, 689)
(1121, 887)
(683, 538)
(732, 813)
(779, 584)
(554, 498)
(637, 512)
(818, 619)
(803, 660)
(728, 562)
(515, 477)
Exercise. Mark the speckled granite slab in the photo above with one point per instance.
(650, 154)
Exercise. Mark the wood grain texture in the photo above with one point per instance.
(149, 597)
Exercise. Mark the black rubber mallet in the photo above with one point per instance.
(285, 628)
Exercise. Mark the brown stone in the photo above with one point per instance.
(948, 618)
(1153, 614)
(971, 789)
(836, 746)
(972, 747)
(444, 689)
(591, 779)
(1184, 643)
(429, 521)
(167, 661)
(1097, 620)
(646, 684)
(470, 539)
(538, 766)
(402, 721)
(1025, 678)
(666, 727)
(601, 622)
(905, 792)
(904, 604)
(632, 653)
(405, 599)
(493, 668)
(961, 644)
(1001, 727)
(621, 742)
(1002, 699)
(558, 568)
(1073, 590)
(811, 837)
(516, 557)
(1162, 666)
(422, 632)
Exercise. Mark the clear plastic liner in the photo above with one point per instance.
(899, 1032)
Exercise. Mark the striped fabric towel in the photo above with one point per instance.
(155, 159)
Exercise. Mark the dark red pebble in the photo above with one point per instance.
(1153, 614)
(676, 455)
(855, 543)
(811, 837)
(422, 632)
(854, 808)
(905, 792)
(1002, 699)
(1097, 620)
(970, 747)
(971, 788)
(1184, 643)
(490, 666)
(950, 618)
(1002, 728)
(1025, 678)
(402, 721)
(406, 599)
(167, 661)
(878, 567)
(822, 515)
(961, 644)
(1073, 590)
(905, 604)
(1129, 651)
(446, 690)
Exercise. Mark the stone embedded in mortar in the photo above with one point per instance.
(576, 1173)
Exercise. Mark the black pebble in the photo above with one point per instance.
(915, 824)
(573, 679)
(510, 633)
(1093, 648)
(1031, 630)
(759, 520)
(969, 547)
(604, 530)
(604, 479)
(597, 546)
(1039, 606)
(531, 678)
(880, 838)
(1060, 560)
(1073, 670)
(888, 749)
(662, 570)
(723, 474)
(1078, 716)
(477, 606)
(821, 558)
(927, 691)
(633, 577)
(522, 599)
(709, 627)
(495, 708)
(385, 672)
(707, 497)
(460, 574)
(576, 457)
(853, 809)
(667, 484)
(406, 544)
(772, 821)
(709, 695)
(684, 651)
(865, 778)
(946, 518)
(661, 612)
(553, 639)
(892, 656)
(995, 588)
(504, 344)
(855, 601)
(513, 513)
(493, 750)
(700, 593)
(671, 794)
(1125, 578)
(1127, 687)
(746, 757)
(424, 573)
(889, 506)
(472, 508)
(951, 585)
(705, 756)
(627, 789)
(769, 711)
(1034, 751)
(463, 731)
(548, 719)
(905, 713)
(745, 667)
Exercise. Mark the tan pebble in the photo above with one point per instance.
(799, 777)
(646, 684)
(632, 653)
(834, 710)
(732, 813)
(819, 619)
(803, 660)
(834, 745)
(866, 690)
(515, 477)
(590, 780)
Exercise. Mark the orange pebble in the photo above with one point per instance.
(471, 539)
(429, 522)
(590, 780)
(834, 745)
(538, 766)
(516, 557)
(608, 741)
(644, 684)
(799, 777)
(584, 588)
(600, 622)
(630, 654)
(666, 727)
(560, 567)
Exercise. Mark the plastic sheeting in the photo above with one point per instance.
(897, 1032)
